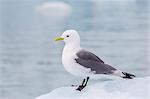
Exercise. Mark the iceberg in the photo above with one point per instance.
(54, 8)
(138, 88)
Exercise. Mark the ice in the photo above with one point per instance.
(138, 88)
(54, 8)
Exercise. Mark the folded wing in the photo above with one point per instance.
(90, 60)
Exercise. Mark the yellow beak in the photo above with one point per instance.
(59, 39)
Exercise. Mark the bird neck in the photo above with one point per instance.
(72, 47)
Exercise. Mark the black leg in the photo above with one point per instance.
(84, 83)
(80, 85)
(87, 79)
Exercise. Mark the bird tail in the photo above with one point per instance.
(127, 75)
(123, 74)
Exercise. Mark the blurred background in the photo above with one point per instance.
(30, 59)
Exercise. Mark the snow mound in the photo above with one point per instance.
(138, 88)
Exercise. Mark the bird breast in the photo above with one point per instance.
(69, 63)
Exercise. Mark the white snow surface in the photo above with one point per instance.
(138, 88)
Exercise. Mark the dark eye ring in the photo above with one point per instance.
(67, 36)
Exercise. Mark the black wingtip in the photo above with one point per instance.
(128, 76)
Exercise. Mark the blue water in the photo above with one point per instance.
(30, 60)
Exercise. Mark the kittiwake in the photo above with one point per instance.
(80, 62)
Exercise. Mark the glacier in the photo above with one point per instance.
(138, 88)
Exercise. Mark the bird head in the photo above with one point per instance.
(69, 36)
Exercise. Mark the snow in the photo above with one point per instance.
(138, 88)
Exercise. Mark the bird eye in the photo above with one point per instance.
(67, 36)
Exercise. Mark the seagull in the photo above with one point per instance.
(82, 63)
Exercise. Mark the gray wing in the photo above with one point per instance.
(90, 60)
(86, 55)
